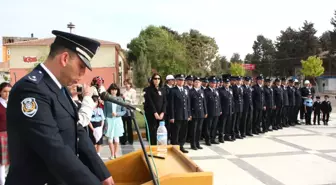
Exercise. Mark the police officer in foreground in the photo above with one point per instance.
(46, 145)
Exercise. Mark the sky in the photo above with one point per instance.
(233, 24)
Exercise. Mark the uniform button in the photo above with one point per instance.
(77, 139)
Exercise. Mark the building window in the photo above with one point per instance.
(8, 51)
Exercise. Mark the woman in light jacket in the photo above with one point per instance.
(113, 121)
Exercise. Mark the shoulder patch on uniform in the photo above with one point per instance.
(34, 76)
(29, 107)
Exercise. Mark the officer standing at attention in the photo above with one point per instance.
(214, 111)
(189, 81)
(46, 145)
(225, 124)
(291, 99)
(258, 104)
(270, 108)
(238, 101)
(285, 102)
(199, 111)
(278, 100)
(179, 113)
(246, 127)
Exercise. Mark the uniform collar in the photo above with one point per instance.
(52, 76)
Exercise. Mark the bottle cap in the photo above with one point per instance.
(162, 123)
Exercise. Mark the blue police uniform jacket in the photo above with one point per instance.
(45, 143)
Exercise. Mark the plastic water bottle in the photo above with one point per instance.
(162, 140)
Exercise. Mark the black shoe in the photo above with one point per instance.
(249, 134)
(184, 150)
(243, 135)
(227, 138)
(199, 147)
(255, 133)
(207, 143)
(194, 147)
(238, 137)
(221, 140)
(214, 142)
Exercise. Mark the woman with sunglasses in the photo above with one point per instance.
(155, 105)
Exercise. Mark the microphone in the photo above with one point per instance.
(107, 97)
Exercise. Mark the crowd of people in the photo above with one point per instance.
(226, 108)
(54, 126)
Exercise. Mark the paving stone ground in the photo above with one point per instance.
(300, 155)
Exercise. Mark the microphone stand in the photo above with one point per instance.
(144, 150)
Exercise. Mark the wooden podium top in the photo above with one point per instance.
(175, 162)
(175, 169)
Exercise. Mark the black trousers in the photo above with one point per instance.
(267, 119)
(308, 115)
(195, 131)
(211, 126)
(179, 132)
(233, 124)
(325, 117)
(284, 116)
(153, 125)
(302, 110)
(257, 117)
(296, 113)
(317, 115)
(246, 123)
(238, 123)
(221, 125)
(278, 115)
(189, 130)
(128, 134)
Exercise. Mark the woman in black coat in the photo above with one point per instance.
(155, 105)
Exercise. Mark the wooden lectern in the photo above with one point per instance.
(175, 169)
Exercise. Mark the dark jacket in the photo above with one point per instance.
(46, 145)
(179, 104)
(198, 103)
(155, 100)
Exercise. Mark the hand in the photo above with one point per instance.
(161, 116)
(171, 121)
(108, 181)
(220, 113)
(189, 118)
(87, 90)
(205, 116)
(114, 114)
(156, 115)
(264, 107)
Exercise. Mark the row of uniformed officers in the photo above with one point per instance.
(219, 109)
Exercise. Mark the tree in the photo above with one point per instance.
(201, 50)
(263, 56)
(325, 41)
(312, 67)
(163, 52)
(248, 58)
(142, 70)
(237, 69)
(236, 58)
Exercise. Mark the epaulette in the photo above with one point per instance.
(35, 76)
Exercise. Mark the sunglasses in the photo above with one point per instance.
(156, 78)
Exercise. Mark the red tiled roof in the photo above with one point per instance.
(49, 41)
